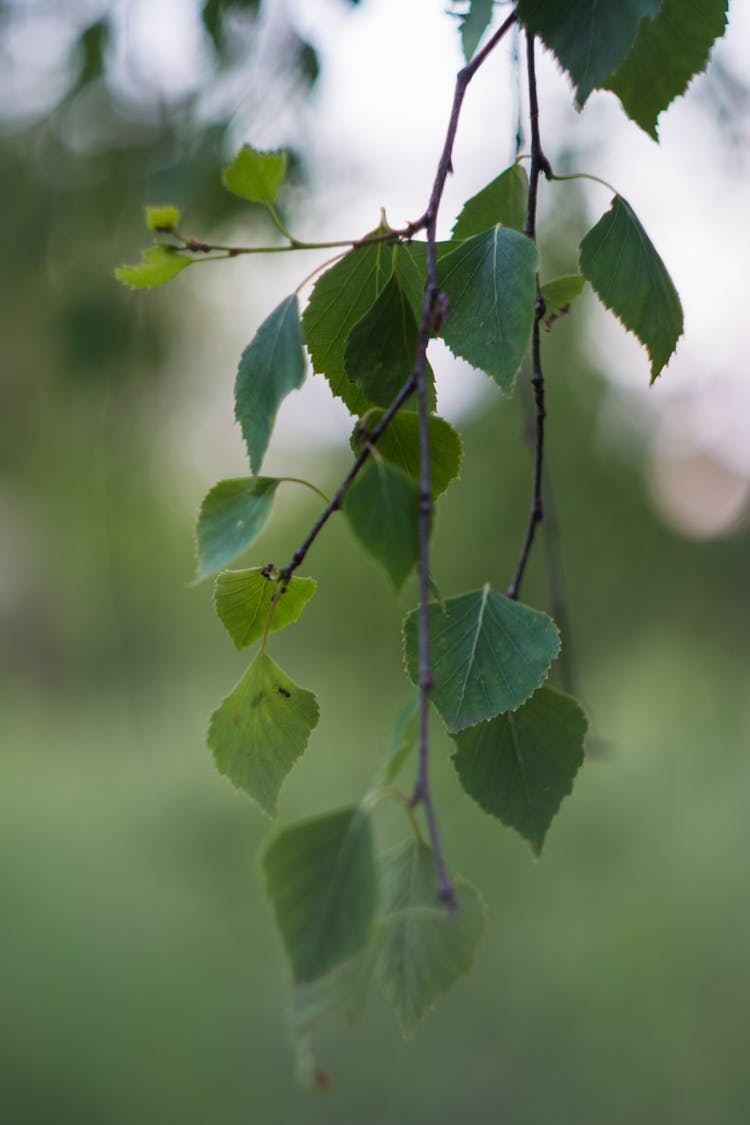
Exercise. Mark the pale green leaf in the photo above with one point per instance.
(426, 947)
(322, 881)
(669, 50)
(503, 201)
(403, 742)
(490, 281)
(399, 444)
(232, 516)
(474, 24)
(272, 365)
(341, 297)
(261, 729)
(243, 602)
(162, 218)
(519, 766)
(160, 264)
(589, 37)
(382, 345)
(487, 653)
(382, 508)
(558, 295)
(619, 260)
(255, 175)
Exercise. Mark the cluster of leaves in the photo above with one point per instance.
(344, 912)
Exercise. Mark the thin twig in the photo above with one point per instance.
(539, 164)
(434, 309)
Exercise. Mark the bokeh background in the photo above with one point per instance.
(142, 981)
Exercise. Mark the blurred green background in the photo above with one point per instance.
(143, 982)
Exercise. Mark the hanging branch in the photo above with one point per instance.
(539, 164)
(434, 310)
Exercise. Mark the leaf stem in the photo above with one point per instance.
(539, 164)
(584, 176)
(307, 484)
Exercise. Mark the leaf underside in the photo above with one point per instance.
(243, 602)
(231, 517)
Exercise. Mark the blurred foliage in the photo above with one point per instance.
(142, 979)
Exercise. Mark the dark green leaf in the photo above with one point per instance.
(558, 295)
(322, 882)
(488, 654)
(400, 445)
(341, 296)
(411, 263)
(426, 948)
(160, 264)
(520, 765)
(243, 602)
(490, 280)
(589, 37)
(382, 507)
(164, 218)
(232, 515)
(502, 201)
(668, 51)
(272, 365)
(254, 175)
(260, 730)
(629, 277)
(474, 24)
(382, 345)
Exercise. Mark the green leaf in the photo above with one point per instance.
(411, 262)
(342, 992)
(668, 51)
(589, 37)
(426, 947)
(558, 296)
(629, 277)
(341, 297)
(519, 766)
(382, 508)
(254, 175)
(382, 345)
(404, 741)
(260, 730)
(272, 365)
(400, 445)
(488, 654)
(163, 219)
(160, 264)
(490, 280)
(232, 516)
(502, 201)
(243, 602)
(474, 24)
(323, 885)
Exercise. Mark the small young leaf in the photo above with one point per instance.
(272, 365)
(323, 885)
(382, 345)
(260, 730)
(254, 175)
(668, 51)
(232, 515)
(474, 24)
(160, 264)
(340, 297)
(629, 277)
(501, 201)
(426, 948)
(162, 218)
(382, 507)
(519, 766)
(589, 37)
(400, 445)
(404, 741)
(558, 295)
(488, 655)
(243, 602)
(490, 280)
